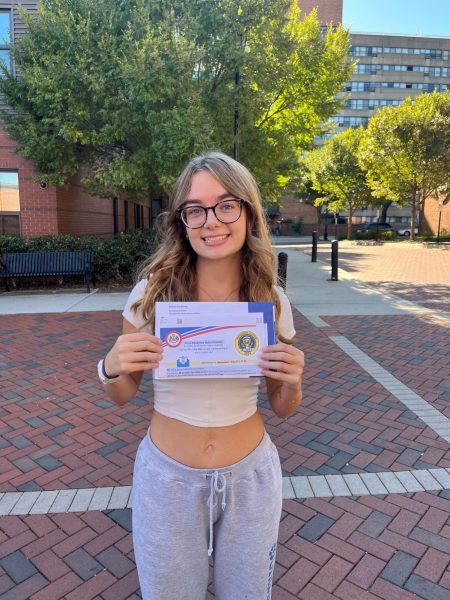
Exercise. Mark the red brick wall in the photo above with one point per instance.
(38, 206)
(79, 213)
(327, 10)
(82, 214)
(430, 218)
(293, 209)
(61, 210)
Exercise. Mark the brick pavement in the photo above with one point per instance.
(394, 546)
(416, 350)
(57, 431)
(409, 270)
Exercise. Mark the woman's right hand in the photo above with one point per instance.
(133, 352)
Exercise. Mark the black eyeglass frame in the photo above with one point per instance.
(213, 208)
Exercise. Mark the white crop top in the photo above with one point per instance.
(207, 402)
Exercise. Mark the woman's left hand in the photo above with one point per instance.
(283, 362)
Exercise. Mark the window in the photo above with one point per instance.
(427, 70)
(138, 216)
(396, 68)
(361, 68)
(427, 52)
(350, 121)
(361, 86)
(9, 203)
(5, 37)
(394, 84)
(156, 207)
(371, 103)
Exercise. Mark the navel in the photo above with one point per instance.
(210, 448)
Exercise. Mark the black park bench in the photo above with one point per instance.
(46, 264)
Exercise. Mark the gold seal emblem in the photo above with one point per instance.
(246, 343)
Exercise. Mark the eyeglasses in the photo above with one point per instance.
(227, 211)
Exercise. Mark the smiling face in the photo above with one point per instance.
(214, 240)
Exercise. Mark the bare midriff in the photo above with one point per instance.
(206, 447)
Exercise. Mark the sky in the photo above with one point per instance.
(415, 17)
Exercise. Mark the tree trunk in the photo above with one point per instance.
(421, 217)
(384, 210)
(349, 224)
(413, 215)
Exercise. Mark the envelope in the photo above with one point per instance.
(213, 339)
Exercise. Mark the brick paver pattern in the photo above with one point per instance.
(411, 271)
(57, 431)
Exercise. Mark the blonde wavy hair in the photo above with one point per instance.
(173, 266)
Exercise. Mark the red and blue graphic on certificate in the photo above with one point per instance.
(213, 339)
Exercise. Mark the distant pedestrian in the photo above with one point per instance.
(207, 477)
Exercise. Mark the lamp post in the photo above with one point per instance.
(237, 79)
(325, 232)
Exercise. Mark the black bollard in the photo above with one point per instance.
(334, 260)
(314, 247)
(282, 269)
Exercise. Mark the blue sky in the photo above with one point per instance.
(416, 17)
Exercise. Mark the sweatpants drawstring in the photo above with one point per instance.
(212, 500)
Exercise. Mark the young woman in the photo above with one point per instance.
(207, 478)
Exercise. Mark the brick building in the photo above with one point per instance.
(436, 215)
(29, 208)
(328, 11)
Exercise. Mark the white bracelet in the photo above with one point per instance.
(104, 378)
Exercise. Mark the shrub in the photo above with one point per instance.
(297, 225)
(115, 259)
(375, 235)
(444, 236)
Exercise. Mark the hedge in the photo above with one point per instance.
(115, 259)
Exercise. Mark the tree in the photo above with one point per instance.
(106, 88)
(335, 172)
(127, 91)
(406, 151)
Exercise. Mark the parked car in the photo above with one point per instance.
(376, 227)
(406, 232)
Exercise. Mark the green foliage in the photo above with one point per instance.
(443, 237)
(388, 235)
(127, 91)
(375, 235)
(406, 151)
(115, 259)
(297, 225)
(334, 170)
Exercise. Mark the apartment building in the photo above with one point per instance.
(389, 68)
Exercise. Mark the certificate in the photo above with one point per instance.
(213, 339)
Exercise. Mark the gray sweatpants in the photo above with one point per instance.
(183, 515)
